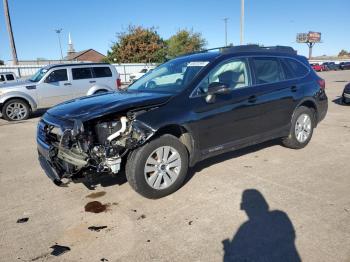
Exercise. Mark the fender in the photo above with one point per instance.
(98, 87)
(16, 94)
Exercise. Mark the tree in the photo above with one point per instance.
(137, 45)
(185, 41)
(343, 53)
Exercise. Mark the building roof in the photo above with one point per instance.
(75, 55)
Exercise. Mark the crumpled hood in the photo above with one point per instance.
(90, 107)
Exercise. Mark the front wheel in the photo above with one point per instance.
(301, 131)
(158, 168)
(15, 110)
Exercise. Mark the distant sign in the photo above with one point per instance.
(311, 37)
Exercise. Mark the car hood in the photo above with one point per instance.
(90, 107)
(16, 84)
(347, 88)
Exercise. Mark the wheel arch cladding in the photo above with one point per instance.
(180, 132)
(312, 105)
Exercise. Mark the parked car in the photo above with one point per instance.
(318, 67)
(346, 94)
(344, 65)
(165, 80)
(54, 84)
(331, 66)
(7, 77)
(227, 99)
(136, 76)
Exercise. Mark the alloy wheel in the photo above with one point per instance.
(162, 167)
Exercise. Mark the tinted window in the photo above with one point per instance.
(267, 70)
(57, 75)
(297, 69)
(81, 73)
(10, 77)
(233, 74)
(2, 78)
(102, 72)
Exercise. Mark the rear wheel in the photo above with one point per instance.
(16, 110)
(301, 131)
(158, 168)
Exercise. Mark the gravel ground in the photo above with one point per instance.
(303, 195)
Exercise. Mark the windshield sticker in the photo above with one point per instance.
(198, 63)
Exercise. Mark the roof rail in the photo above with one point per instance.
(257, 48)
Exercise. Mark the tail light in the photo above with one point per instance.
(322, 83)
(118, 83)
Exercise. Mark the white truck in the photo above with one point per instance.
(55, 84)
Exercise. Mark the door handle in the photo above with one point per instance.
(92, 81)
(252, 99)
(67, 84)
(294, 89)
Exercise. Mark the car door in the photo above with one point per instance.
(82, 80)
(232, 118)
(276, 95)
(54, 89)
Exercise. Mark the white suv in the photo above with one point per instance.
(7, 77)
(54, 84)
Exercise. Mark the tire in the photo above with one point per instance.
(305, 130)
(16, 105)
(168, 177)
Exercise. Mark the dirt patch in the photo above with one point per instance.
(96, 194)
(96, 207)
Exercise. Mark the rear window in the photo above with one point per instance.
(81, 73)
(102, 72)
(10, 77)
(293, 68)
(267, 70)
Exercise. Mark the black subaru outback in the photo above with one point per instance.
(184, 111)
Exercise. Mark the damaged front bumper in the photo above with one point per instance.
(70, 153)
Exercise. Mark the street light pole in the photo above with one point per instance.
(225, 20)
(242, 22)
(58, 31)
(9, 29)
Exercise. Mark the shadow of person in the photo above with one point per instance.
(267, 235)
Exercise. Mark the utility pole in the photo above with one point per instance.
(225, 21)
(58, 31)
(242, 22)
(9, 30)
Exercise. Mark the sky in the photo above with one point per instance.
(94, 23)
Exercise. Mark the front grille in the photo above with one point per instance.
(41, 131)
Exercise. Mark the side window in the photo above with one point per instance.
(57, 75)
(9, 77)
(297, 69)
(102, 72)
(81, 73)
(2, 78)
(267, 70)
(233, 73)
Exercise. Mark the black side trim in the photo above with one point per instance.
(31, 87)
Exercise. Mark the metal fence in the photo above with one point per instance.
(25, 71)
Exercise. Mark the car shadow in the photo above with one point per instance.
(339, 101)
(267, 235)
(229, 155)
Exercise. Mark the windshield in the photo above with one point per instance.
(38, 75)
(172, 76)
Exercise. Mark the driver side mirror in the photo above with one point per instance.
(214, 89)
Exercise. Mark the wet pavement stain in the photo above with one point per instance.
(97, 228)
(59, 250)
(22, 220)
(96, 207)
(141, 217)
(96, 194)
